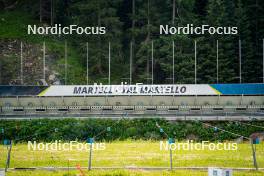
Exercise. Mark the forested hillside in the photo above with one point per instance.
(137, 22)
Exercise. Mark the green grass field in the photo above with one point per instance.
(126, 173)
(132, 154)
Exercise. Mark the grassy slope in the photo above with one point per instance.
(134, 153)
(13, 25)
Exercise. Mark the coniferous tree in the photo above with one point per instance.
(248, 61)
(255, 15)
(228, 46)
(183, 47)
(138, 21)
(206, 46)
(101, 14)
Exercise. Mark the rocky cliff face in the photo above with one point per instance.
(31, 70)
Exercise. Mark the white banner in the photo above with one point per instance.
(138, 89)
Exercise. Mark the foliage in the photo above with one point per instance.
(118, 19)
(81, 129)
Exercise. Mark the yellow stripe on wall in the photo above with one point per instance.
(216, 91)
(43, 92)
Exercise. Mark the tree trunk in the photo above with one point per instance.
(51, 12)
(99, 65)
(148, 36)
(173, 12)
(40, 11)
(133, 20)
